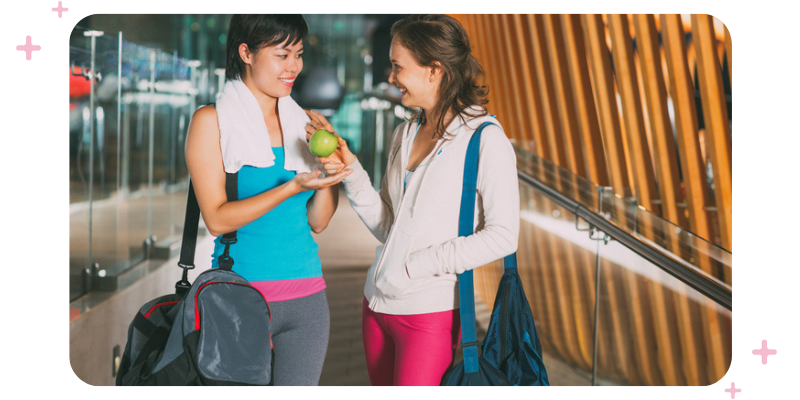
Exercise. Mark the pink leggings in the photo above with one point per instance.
(409, 350)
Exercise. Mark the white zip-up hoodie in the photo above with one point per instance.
(420, 253)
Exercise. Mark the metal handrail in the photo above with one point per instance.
(710, 288)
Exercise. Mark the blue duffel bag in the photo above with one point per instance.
(512, 353)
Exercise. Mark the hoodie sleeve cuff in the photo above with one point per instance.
(359, 173)
(422, 264)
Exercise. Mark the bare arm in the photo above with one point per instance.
(321, 208)
(204, 161)
(324, 203)
(373, 208)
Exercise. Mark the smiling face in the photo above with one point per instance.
(273, 69)
(418, 84)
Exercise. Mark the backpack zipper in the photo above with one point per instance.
(152, 309)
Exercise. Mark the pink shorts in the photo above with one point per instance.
(409, 350)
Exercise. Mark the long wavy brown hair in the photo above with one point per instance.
(432, 38)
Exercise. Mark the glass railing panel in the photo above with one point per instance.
(128, 181)
(653, 329)
(95, 207)
(557, 267)
(171, 113)
(573, 186)
(79, 132)
(135, 131)
(688, 249)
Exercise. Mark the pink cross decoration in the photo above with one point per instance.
(733, 390)
(60, 9)
(28, 48)
(764, 352)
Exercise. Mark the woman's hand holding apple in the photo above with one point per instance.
(340, 158)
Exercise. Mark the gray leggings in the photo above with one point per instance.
(300, 330)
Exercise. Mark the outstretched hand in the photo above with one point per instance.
(342, 157)
(312, 180)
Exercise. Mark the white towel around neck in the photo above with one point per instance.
(243, 133)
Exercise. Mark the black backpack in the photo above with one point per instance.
(215, 332)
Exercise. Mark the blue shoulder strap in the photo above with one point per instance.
(466, 220)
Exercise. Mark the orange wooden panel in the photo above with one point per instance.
(560, 267)
(586, 111)
(458, 17)
(531, 109)
(579, 263)
(564, 104)
(718, 149)
(642, 328)
(644, 182)
(527, 259)
(512, 112)
(476, 39)
(604, 94)
(632, 115)
(564, 262)
(543, 148)
(555, 315)
(682, 94)
(495, 74)
(664, 155)
(570, 266)
(511, 91)
(603, 85)
(532, 279)
(485, 57)
(614, 361)
(578, 270)
(717, 126)
(688, 339)
(544, 75)
(729, 53)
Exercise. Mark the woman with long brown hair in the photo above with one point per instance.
(410, 316)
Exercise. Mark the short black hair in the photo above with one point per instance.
(258, 31)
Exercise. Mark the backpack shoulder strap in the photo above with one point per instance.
(189, 240)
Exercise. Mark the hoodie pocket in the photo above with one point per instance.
(392, 279)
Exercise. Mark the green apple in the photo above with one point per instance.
(323, 143)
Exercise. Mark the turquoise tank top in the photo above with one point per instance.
(278, 245)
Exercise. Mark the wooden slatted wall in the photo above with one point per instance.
(614, 99)
(611, 98)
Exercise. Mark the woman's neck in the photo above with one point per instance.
(267, 103)
(432, 119)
